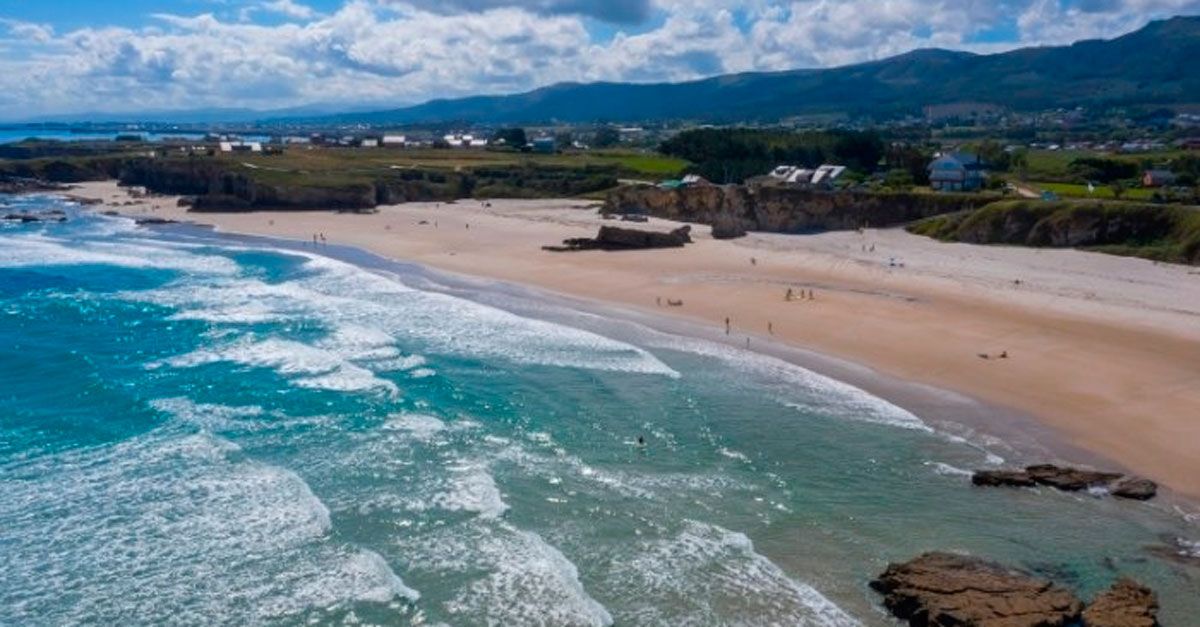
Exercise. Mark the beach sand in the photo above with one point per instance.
(1103, 350)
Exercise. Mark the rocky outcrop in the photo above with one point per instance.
(1135, 488)
(727, 227)
(1003, 478)
(733, 208)
(1126, 604)
(1069, 480)
(24, 185)
(618, 238)
(1161, 232)
(944, 589)
(49, 216)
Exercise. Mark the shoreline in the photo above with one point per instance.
(921, 305)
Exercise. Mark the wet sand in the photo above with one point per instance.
(1103, 351)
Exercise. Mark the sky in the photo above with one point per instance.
(117, 56)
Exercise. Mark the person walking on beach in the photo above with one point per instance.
(727, 326)
(770, 328)
(790, 295)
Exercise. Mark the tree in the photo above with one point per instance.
(1118, 189)
(514, 137)
(606, 136)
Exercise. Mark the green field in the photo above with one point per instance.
(1102, 192)
(353, 163)
(1054, 165)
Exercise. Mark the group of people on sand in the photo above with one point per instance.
(791, 295)
(319, 238)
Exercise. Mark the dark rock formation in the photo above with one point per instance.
(943, 589)
(50, 216)
(728, 227)
(617, 238)
(25, 185)
(1126, 604)
(1135, 488)
(785, 210)
(1069, 480)
(998, 478)
(154, 221)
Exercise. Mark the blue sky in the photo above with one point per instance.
(67, 56)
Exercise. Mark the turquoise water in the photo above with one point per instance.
(210, 431)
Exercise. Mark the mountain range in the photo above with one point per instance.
(1156, 65)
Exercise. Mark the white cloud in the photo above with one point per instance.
(289, 8)
(392, 53)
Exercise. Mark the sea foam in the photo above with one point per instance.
(115, 527)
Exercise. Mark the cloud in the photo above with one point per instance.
(289, 8)
(390, 53)
(28, 31)
(616, 11)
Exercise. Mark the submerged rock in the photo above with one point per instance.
(1126, 604)
(944, 589)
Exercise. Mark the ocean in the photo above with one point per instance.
(204, 429)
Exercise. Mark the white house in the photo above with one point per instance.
(394, 140)
(792, 175)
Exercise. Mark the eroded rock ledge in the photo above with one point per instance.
(1069, 480)
(945, 589)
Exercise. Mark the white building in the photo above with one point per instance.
(825, 175)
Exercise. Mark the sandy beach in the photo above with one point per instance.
(1105, 351)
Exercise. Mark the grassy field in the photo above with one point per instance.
(351, 163)
(1102, 192)
(1054, 165)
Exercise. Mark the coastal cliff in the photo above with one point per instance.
(1160, 232)
(786, 210)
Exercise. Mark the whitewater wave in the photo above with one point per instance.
(306, 366)
(361, 308)
(115, 527)
(519, 578)
(715, 576)
(31, 250)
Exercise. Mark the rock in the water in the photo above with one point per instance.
(996, 478)
(944, 589)
(1070, 479)
(1126, 604)
(51, 216)
(1135, 488)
